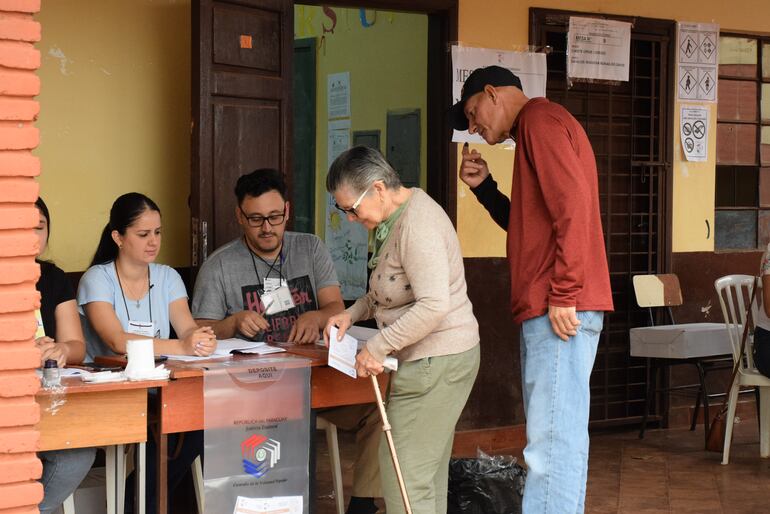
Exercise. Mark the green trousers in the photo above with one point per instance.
(425, 400)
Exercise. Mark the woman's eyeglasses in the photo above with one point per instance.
(355, 205)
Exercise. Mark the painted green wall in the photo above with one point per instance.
(388, 65)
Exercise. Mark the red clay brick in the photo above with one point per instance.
(17, 327)
(18, 440)
(20, 354)
(16, 54)
(19, 138)
(19, 163)
(18, 467)
(20, 109)
(18, 270)
(18, 189)
(18, 412)
(19, 28)
(19, 83)
(18, 383)
(19, 298)
(28, 6)
(18, 243)
(19, 495)
(18, 216)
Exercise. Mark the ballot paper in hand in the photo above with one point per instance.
(342, 354)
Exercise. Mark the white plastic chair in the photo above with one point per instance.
(734, 292)
(334, 457)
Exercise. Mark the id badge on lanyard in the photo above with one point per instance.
(142, 328)
(272, 284)
(277, 300)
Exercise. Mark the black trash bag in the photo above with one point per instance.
(485, 485)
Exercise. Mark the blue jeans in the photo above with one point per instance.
(63, 470)
(555, 381)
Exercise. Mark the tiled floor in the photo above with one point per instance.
(666, 472)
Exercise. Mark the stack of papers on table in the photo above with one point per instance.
(225, 347)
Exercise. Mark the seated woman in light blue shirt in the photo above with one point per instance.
(126, 295)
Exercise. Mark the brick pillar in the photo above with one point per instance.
(19, 59)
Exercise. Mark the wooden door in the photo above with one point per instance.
(242, 81)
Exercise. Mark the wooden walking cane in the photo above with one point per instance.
(389, 437)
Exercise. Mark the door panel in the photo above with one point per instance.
(241, 107)
(234, 156)
(248, 38)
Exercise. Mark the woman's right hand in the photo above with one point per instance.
(201, 342)
(342, 321)
(50, 350)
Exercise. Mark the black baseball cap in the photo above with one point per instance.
(494, 76)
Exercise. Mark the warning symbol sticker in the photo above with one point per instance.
(688, 47)
(693, 126)
(707, 84)
(708, 48)
(688, 83)
(697, 57)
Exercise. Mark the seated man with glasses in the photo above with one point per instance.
(274, 285)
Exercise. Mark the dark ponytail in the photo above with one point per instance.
(124, 212)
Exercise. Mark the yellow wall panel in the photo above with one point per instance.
(114, 118)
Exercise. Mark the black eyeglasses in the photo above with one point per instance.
(257, 221)
(352, 210)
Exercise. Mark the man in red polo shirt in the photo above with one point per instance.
(560, 285)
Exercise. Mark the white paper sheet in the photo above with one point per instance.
(338, 95)
(598, 49)
(530, 67)
(342, 354)
(278, 504)
(225, 347)
(693, 127)
(697, 61)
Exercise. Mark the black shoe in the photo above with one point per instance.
(360, 505)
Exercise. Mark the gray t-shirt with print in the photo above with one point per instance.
(232, 278)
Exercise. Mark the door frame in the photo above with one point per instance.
(442, 30)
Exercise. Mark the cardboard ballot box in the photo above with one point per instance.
(682, 341)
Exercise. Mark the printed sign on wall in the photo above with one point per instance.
(530, 67)
(598, 49)
(697, 61)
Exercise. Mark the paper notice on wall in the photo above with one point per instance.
(530, 67)
(598, 49)
(697, 60)
(348, 241)
(338, 95)
(337, 139)
(693, 128)
(282, 504)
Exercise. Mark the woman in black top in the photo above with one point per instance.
(63, 470)
(63, 340)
